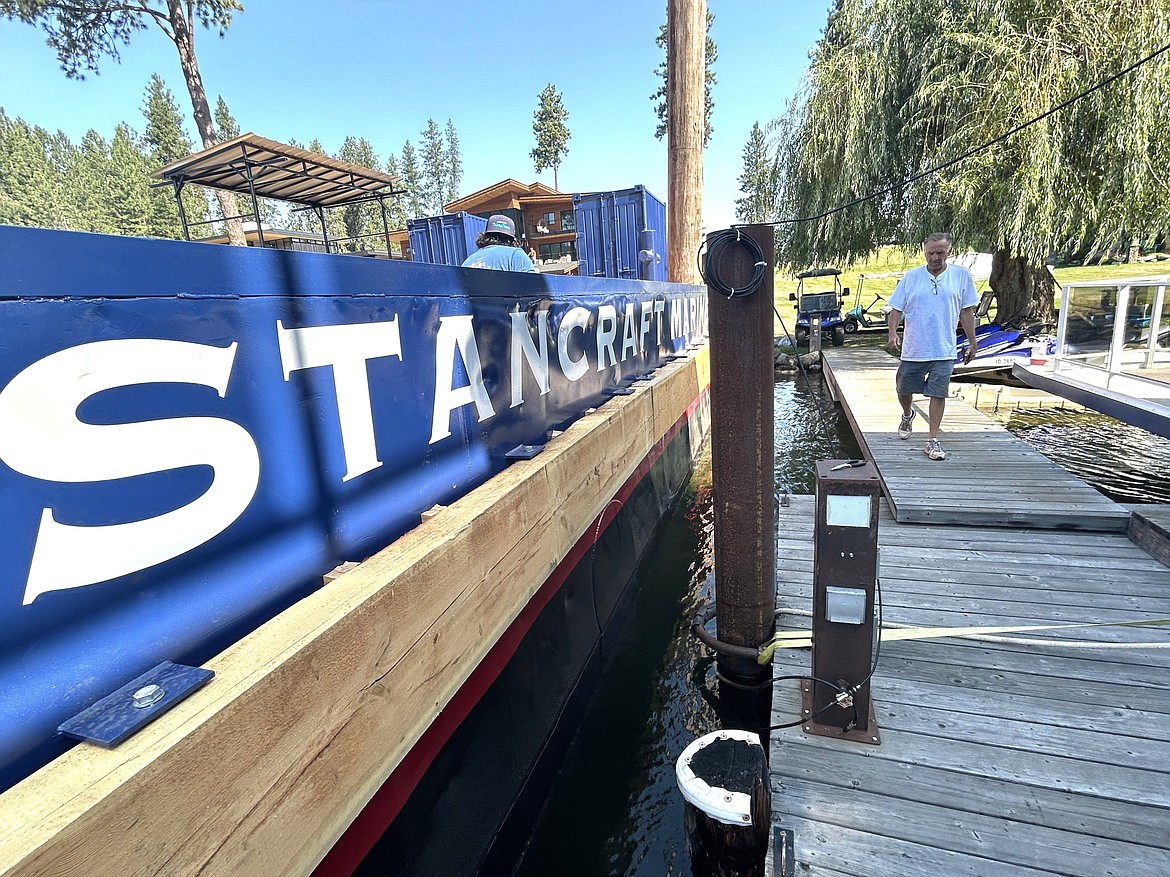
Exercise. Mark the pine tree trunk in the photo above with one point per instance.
(184, 41)
(1024, 293)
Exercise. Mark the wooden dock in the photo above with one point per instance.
(1044, 752)
(990, 478)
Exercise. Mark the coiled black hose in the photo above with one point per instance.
(712, 253)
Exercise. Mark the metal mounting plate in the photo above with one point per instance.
(868, 735)
(115, 717)
(783, 853)
(523, 452)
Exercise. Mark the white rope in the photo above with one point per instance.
(972, 633)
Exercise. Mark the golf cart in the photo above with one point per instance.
(819, 309)
(858, 317)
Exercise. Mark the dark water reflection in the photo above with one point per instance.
(809, 427)
(615, 808)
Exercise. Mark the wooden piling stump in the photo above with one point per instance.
(727, 813)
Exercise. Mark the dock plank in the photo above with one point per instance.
(989, 478)
(994, 838)
(1149, 527)
(1045, 752)
(1050, 808)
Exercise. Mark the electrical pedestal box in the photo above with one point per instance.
(845, 569)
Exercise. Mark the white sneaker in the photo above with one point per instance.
(906, 425)
(934, 450)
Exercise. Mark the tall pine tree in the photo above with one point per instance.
(165, 141)
(7, 197)
(550, 131)
(91, 181)
(412, 182)
(395, 205)
(758, 182)
(434, 170)
(454, 164)
(83, 31)
(334, 222)
(60, 151)
(31, 191)
(228, 128)
(363, 222)
(297, 219)
(130, 204)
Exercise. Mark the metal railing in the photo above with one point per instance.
(1117, 330)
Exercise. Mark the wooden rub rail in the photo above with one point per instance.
(262, 770)
(990, 477)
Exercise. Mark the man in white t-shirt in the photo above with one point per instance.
(934, 299)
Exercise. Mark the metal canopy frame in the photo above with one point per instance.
(260, 168)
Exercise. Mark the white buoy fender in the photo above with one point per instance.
(724, 805)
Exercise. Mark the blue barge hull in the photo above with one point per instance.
(192, 435)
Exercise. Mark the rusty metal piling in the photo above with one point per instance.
(742, 442)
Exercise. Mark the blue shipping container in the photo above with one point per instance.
(621, 234)
(446, 239)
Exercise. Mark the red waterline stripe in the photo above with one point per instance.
(353, 846)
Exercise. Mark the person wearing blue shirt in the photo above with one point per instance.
(498, 248)
(934, 299)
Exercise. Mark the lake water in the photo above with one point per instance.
(1127, 464)
(615, 810)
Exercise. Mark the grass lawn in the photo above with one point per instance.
(1110, 273)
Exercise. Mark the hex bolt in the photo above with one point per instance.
(148, 695)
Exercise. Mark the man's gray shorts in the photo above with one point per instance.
(925, 378)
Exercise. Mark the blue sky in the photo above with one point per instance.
(380, 69)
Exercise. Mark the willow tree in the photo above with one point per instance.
(900, 92)
(84, 31)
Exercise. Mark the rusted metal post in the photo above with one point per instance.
(686, 43)
(743, 449)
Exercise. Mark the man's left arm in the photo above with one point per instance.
(967, 321)
(521, 261)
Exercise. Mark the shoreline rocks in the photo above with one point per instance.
(784, 360)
